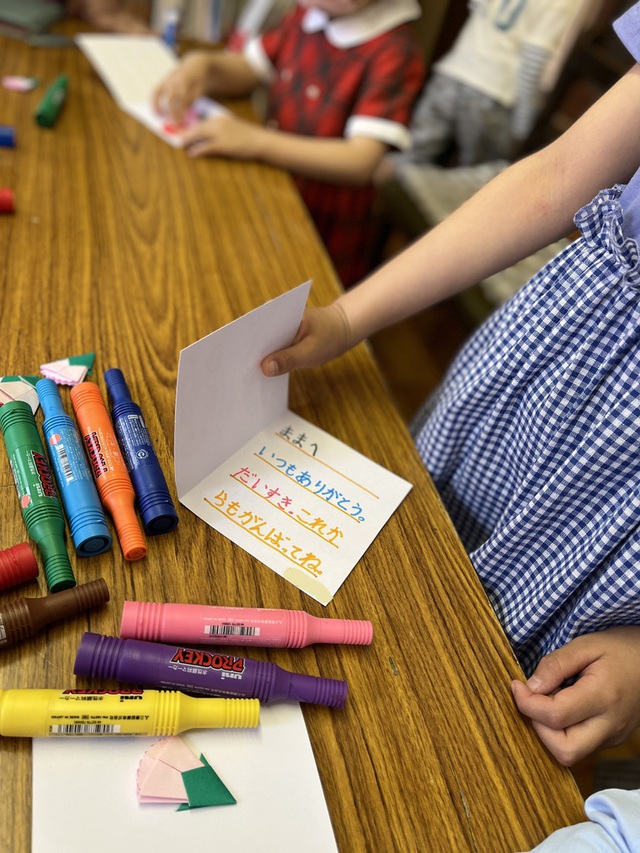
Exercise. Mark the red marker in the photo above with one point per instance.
(17, 565)
(109, 470)
(7, 200)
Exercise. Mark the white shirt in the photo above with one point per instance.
(372, 21)
(488, 51)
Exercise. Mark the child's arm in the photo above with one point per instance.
(216, 73)
(601, 709)
(526, 207)
(344, 161)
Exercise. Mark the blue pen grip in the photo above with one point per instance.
(82, 506)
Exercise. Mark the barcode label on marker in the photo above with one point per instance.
(84, 729)
(63, 459)
(231, 631)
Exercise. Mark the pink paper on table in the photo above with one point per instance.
(68, 371)
(159, 778)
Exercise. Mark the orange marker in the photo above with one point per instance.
(109, 470)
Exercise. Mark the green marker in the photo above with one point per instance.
(41, 509)
(53, 101)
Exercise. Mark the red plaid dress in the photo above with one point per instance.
(316, 89)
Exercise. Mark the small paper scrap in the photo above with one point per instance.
(20, 84)
(169, 772)
(19, 388)
(69, 371)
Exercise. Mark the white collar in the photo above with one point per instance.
(351, 30)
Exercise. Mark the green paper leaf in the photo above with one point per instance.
(205, 788)
(85, 360)
(30, 379)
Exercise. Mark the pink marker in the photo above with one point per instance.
(237, 626)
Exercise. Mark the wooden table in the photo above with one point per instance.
(123, 246)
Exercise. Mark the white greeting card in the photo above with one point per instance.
(296, 498)
(131, 67)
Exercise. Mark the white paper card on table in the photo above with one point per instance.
(202, 109)
(296, 498)
(131, 67)
(84, 793)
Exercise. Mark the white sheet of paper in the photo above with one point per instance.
(84, 793)
(131, 67)
(293, 496)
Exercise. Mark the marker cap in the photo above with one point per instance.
(351, 632)
(58, 572)
(158, 514)
(131, 539)
(26, 616)
(317, 691)
(95, 540)
(7, 200)
(7, 136)
(17, 565)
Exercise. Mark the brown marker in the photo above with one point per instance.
(25, 617)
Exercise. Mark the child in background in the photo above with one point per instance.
(342, 77)
(532, 441)
(485, 93)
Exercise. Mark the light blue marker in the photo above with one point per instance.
(82, 506)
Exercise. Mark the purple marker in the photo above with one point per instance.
(207, 673)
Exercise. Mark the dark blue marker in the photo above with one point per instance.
(154, 500)
(82, 506)
(7, 136)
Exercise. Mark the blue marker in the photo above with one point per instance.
(82, 506)
(171, 25)
(7, 136)
(154, 500)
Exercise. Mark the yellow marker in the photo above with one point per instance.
(99, 713)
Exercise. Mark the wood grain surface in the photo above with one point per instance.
(123, 246)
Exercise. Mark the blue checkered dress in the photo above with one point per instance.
(533, 443)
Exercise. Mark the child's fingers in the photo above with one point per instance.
(564, 663)
(570, 745)
(565, 708)
(174, 96)
(284, 361)
(200, 147)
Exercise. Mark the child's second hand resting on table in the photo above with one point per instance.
(548, 391)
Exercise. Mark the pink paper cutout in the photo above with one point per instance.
(159, 776)
(63, 373)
